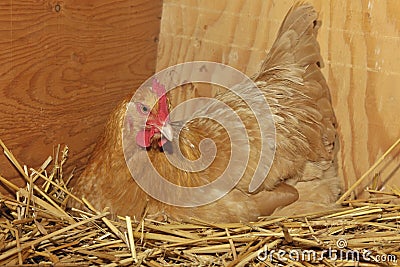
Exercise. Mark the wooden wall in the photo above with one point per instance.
(359, 41)
(64, 65)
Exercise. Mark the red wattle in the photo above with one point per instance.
(143, 138)
(162, 141)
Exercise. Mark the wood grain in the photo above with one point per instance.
(64, 65)
(359, 42)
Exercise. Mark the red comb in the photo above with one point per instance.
(158, 88)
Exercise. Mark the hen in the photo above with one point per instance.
(302, 176)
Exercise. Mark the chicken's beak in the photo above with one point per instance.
(167, 132)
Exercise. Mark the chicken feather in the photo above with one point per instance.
(299, 99)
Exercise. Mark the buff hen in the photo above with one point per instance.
(302, 176)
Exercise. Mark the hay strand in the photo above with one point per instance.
(37, 230)
(368, 172)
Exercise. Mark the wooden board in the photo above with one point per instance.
(359, 42)
(64, 66)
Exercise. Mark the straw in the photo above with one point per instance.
(365, 175)
(37, 230)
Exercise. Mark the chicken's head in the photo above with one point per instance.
(151, 116)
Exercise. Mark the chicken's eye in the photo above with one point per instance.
(143, 109)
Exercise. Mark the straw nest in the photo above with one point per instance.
(36, 229)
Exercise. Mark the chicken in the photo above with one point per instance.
(302, 176)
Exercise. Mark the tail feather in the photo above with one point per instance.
(296, 43)
(295, 59)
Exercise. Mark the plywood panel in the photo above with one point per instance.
(64, 65)
(359, 42)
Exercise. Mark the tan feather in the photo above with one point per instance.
(291, 81)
